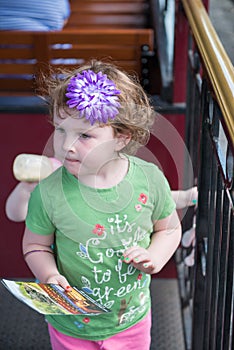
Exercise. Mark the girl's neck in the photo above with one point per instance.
(109, 176)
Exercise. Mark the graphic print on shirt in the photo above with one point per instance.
(126, 277)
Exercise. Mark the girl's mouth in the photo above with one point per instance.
(71, 160)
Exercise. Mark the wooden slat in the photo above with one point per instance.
(109, 6)
(14, 68)
(111, 14)
(102, 36)
(16, 85)
(16, 38)
(120, 53)
(16, 53)
(77, 2)
(105, 20)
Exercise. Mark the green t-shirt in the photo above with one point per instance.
(93, 227)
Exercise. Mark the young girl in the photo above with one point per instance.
(109, 215)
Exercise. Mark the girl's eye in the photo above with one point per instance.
(58, 129)
(84, 136)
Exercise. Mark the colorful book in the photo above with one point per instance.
(52, 299)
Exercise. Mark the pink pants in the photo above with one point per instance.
(134, 338)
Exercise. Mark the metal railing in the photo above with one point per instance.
(207, 286)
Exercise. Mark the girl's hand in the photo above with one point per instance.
(60, 280)
(140, 258)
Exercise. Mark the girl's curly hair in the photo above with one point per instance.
(136, 115)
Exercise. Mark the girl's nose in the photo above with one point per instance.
(69, 144)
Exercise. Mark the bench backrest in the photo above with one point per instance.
(24, 54)
(109, 13)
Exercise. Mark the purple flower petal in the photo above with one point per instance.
(94, 95)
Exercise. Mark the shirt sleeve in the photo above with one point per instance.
(38, 219)
(67, 9)
(164, 203)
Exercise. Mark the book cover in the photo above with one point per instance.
(52, 299)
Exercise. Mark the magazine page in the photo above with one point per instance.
(52, 299)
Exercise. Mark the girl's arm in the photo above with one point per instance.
(185, 198)
(17, 202)
(40, 258)
(164, 242)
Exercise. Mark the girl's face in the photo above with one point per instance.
(84, 149)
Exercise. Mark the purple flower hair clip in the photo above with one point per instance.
(94, 96)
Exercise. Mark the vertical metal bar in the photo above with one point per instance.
(211, 215)
(229, 302)
(215, 265)
(201, 228)
(223, 273)
(214, 212)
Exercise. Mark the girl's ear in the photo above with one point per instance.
(122, 140)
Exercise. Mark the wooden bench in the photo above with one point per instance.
(24, 54)
(109, 14)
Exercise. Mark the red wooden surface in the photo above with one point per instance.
(20, 133)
